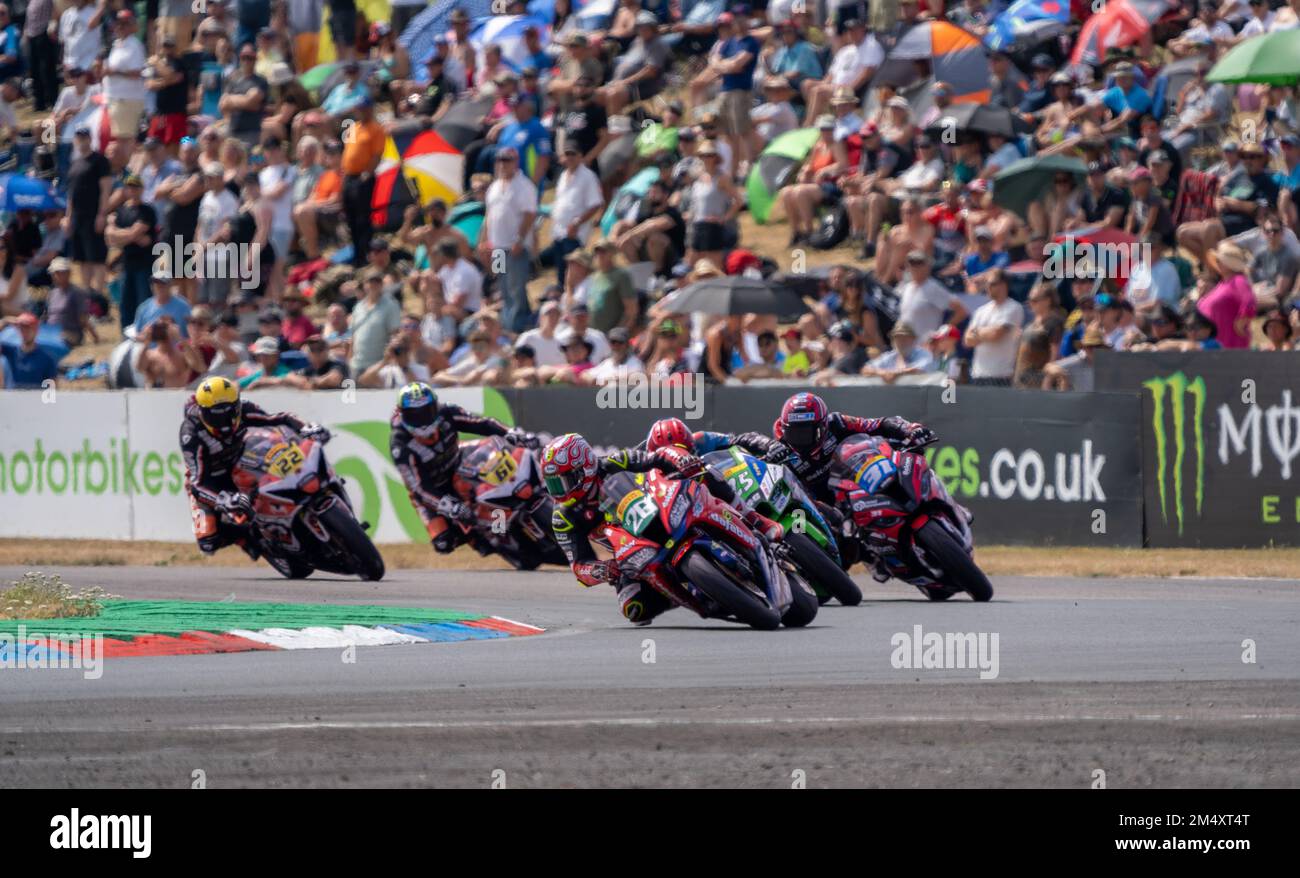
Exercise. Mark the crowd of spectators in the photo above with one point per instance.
(162, 127)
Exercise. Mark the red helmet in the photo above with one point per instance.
(569, 469)
(802, 424)
(669, 432)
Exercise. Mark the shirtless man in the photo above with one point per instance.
(912, 233)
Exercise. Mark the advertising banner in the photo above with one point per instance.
(1220, 437)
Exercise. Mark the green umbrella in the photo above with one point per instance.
(655, 138)
(313, 79)
(776, 167)
(1273, 59)
(1021, 183)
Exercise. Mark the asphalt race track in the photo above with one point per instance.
(1140, 679)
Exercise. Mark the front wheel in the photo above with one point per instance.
(290, 568)
(735, 601)
(959, 569)
(803, 603)
(356, 545)
(822, 571)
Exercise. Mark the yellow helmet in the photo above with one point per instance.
(219, 407)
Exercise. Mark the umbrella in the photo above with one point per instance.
(373, 10)
(467, 218)
(27, 193)
(735, 294)
(463, 123)
(627, 195)
(313, 79)
(956, 57)
(48, 338)
(419, 35)
(1113, 251)
(775, 167)
(1178, 73)
(1119, 23)
(1273, 59)
(976, 118)
(1025, 181)
(1027, 23)
(655, 138)
(417, 167)
(507, 33)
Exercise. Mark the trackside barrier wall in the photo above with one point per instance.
(1220, 444)
(1034, 468)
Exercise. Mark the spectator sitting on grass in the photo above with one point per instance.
(543, 340)
(795, 363)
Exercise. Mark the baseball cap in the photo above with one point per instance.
(265, 345)
(826, 122)
(645, 18)
(27, 319)
(58, 263)
(1042, 62)
(902, 327)
(843, 330)
(618, 334)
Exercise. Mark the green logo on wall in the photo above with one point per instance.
(1170, 423)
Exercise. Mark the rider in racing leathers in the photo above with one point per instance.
(212, 440)
(572, 474)
(425, 446)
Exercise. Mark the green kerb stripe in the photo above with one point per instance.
(128, 619)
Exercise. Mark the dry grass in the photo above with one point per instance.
(47, 596)
(996, 560)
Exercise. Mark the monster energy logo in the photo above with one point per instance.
(1172, 392)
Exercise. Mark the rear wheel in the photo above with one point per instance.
(803, 603)
(959, 570)
(735, 601)
(351, 538)
(822, 571)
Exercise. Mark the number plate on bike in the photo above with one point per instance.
(284, 459)
(499, 468)
(636, 511)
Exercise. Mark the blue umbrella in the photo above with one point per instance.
(27, 193)
(1028, 22)
(48, 339)
(419, 35)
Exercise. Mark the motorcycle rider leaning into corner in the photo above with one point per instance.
(425, 446)
(212, 434)
(572, 474)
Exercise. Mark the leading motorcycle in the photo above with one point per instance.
(302, 519)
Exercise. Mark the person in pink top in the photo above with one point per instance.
(1231, 304)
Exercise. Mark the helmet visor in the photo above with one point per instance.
(223, 419)
(420, 416)
(802, 434)
(561, 484)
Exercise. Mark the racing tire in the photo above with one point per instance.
(290, 568)
(356, 545)
(803, 603)
(735, 601)
(959, 570)
(821, 571)
(937, 593)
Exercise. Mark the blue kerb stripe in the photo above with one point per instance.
(446, 632)
(32, 652)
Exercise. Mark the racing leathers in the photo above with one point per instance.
(427, 467)
(573, 526)
(209, 468)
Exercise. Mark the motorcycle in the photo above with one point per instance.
(906, 524)
(302, 519)
(772, 490)
(512, 512)
(676, 537)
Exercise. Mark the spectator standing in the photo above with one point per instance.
(124, 84)
(243, 98)
(90, 182)
(578, 201)
(507, 224)
(363, 147)
(42, 54)
(739, 54)
(80, 33)
(611, 299)
(133, 227)
(994, 333)
(1231, 305)
(374, 319)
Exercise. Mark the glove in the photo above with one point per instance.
(685, 464)
(920, 435)
(523, 438)
(234, 505)
(317, 432)
(777, 454)
(591, 573)
(455, 509)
